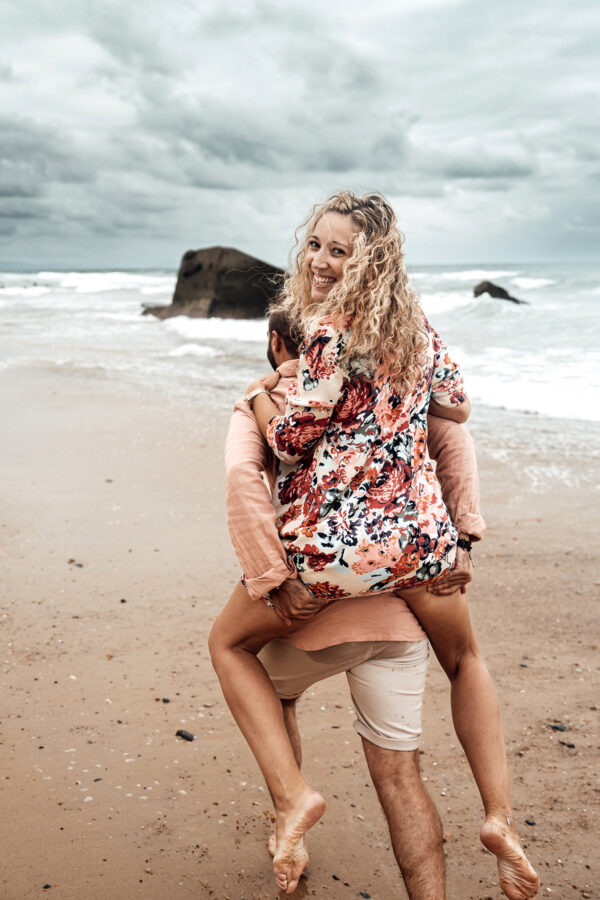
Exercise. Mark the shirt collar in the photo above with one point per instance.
(288, 368)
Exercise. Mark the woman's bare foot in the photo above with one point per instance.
(518, 879)
(291, 858)
(272, 845)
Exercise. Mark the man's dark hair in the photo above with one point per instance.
(279, 322)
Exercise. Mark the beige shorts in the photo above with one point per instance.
(386, 680)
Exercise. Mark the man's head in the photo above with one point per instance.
(283, 343)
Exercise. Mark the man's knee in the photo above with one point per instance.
(392, 770)
(288, 708)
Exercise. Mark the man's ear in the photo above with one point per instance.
(276, 341)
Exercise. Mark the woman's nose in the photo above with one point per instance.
(319, 257)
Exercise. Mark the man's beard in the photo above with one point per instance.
(270, 357)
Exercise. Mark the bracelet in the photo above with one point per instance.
(250, 397)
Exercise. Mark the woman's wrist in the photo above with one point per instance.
(252, 393)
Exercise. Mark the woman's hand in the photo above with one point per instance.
(458, 577)
(293, 602)
(267, 382)
(458, 414)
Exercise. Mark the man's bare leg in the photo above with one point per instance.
(290, 721)
(413, 821)
(476, 718)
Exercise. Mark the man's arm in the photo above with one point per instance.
(452, 448)
(251, 520)
(250, 513)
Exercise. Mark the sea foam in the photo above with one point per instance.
(253, 330)
(527, 283)
(194, 350)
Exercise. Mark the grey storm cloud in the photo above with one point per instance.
(167, 126)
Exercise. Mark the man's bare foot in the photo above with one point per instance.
(291, 858)
(518, 879)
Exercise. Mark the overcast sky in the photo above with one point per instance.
(133, 131)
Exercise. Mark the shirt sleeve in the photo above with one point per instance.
(311, 400)
(250, 513)
(451, 446)
(448, 387)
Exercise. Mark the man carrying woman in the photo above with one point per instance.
(360, 513)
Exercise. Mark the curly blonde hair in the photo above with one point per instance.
(374, 293)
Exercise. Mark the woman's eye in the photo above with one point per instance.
(338, 251)
(314, 245)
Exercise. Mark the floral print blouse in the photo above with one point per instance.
(359, 508)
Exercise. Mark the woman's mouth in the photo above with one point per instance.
(322, 280)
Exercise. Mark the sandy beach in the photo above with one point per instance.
(115, 560)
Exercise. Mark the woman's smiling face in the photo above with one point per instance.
(329, 246)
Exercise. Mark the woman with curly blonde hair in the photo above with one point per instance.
(359, 509)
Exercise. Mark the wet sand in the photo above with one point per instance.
(115, 559)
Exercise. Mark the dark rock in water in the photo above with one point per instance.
(488, 287)
(221, 281)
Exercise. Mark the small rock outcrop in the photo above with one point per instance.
(221, 281)
(488, 287)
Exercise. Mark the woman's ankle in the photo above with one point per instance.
(289, 794)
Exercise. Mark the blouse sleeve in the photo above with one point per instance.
(448, 387)
(311, 400)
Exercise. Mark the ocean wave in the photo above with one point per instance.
(166, 288)
(250, 330)
(194, 350)
(101, 282)
(436, 302)
(527, 283)
(463, 275)
(531, 381)
(541, 357)
(479, 274)
(28, 290)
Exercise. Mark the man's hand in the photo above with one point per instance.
(267, 382)
(293, 602)
(458, 577)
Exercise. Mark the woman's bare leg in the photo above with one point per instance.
(243, 627)
(476, 719)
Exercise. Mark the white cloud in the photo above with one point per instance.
(144, 129)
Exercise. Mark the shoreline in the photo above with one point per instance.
(111, 497)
